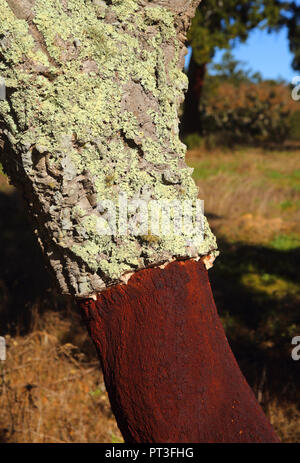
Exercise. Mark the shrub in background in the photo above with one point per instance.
(249, 113)
(239, 107)
(294, 123)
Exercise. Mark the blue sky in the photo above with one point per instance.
(267, 53)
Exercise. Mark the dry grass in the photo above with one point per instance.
(285, 417)
(50, 392)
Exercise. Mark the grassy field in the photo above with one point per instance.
(50, 387)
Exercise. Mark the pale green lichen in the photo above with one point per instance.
(71, 104)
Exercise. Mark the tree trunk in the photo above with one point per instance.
(191, 120)
(89, 129)
(168, 368)
(91, 117)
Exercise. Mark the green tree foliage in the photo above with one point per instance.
(239, 107)
(218, 24)
(233, 70)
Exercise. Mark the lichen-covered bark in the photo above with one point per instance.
(93, 89)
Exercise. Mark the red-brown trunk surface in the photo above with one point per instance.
(169, 371)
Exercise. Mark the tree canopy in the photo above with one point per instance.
(218, 23)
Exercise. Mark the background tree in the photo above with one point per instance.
(221, 25)
(238, 107)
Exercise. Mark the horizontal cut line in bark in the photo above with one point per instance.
(207, 261)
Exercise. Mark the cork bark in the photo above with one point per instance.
(91, 115)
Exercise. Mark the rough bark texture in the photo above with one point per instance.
(93, 89)
(169, 371)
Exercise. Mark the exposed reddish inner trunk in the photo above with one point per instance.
(169, 371)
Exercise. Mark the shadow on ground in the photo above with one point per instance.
(256, 290)
(26, 287)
